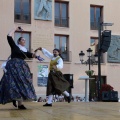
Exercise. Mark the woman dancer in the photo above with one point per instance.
(16, 83)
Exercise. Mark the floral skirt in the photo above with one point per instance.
(16, 83)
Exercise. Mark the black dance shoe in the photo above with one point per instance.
(69, 99)
(22, 107)
(47, 105)
(14, 103)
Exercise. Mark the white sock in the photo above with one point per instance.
(66, 93)
(50, 98)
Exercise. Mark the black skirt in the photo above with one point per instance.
(56, 84)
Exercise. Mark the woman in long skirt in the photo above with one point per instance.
(16, 83)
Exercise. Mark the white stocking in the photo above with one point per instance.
(50, 98)
(66, 93)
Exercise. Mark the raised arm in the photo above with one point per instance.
(10, 33)
(10, 39)
(45, 52)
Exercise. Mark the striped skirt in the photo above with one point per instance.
(16, 83)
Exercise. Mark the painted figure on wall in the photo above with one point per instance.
(114, 49)
(43, 9)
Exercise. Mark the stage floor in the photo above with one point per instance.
(63, 111)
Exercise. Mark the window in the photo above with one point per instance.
(22, 11)
(61, 43)
(95, 14)
(94, 47)
(26, 35)
(61, 14)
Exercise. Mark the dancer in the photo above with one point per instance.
(56, 82)
(16, 83)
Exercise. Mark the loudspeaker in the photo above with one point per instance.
(111, 96)
(69, 78)
(114, 96)
(105, 41)
(105, 96)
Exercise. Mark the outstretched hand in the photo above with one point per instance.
(40, 48)
(19, 28)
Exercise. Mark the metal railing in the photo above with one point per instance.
(62, 22)
(67, 56)
(94, 25)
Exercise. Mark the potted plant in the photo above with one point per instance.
(89, 72)
(106, 87)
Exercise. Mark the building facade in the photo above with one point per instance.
(69, 25)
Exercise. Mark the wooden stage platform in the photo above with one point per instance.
(63, 111)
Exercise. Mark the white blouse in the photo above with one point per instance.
(51, 56)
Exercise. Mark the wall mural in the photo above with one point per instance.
(43, 9)
(113, 54)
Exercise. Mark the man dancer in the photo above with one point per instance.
(56, 82)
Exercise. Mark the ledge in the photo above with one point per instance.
(88, 64)
(42, 62)
(65, 62)
(114, 64)
(77, 63)
(26, 24)
(58, 27)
